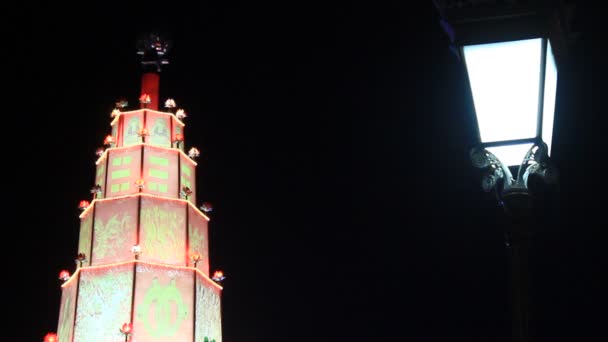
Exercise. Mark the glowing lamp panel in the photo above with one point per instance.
(208, 322)
(100, 174)
(505, 80)
(104, 303)
(164, 304)
(114, 230)
(129, 127)
(549, 98)
(163, 231)
(187, 174)
(158, 126)
(124, 170)
(65, 327)
(160, 172)
(86, 235)
(198, 238)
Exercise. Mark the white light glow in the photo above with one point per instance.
(549, 98)
(511, 155)
(504, 80)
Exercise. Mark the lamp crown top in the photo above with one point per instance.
(153, 50)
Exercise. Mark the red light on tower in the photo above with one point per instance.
(64, 275)
(218, 276)
(178, 138)
(109, 140)
(195, 257)
(145, 99)
(127, 328)
(50, 337)
(82, 205)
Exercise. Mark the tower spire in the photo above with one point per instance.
(153, 50)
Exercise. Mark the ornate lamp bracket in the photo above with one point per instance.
(498, 177)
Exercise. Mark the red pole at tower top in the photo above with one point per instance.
(153, 50)
(150, 85)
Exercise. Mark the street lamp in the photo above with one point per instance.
(511, 51)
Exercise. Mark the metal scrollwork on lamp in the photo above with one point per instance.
(498, 177)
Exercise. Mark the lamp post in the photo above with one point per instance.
(511, 51)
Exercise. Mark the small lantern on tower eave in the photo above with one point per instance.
(99, 151)
(136, 250)
(170, 105)
(178, 138)
(96, 191)
(80, 259)
(193, 152)
(140, 184)
(145, 100)
(108, 141)
(206, 207)
(186, 192)
(121, 104)
(180, 114)
(143, 133)
(218, 276)
(83, 205)
(195, 258)
(64, 275)
(127, 330)
(50, 337)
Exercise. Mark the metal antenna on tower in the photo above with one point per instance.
(153, 50)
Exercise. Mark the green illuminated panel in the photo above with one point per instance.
(208, 317)
(160, 187)
(162, 174)
(121, 173)
(86, 232)
(104, 303)
(159, 161)
(186, 170)
(119, 187)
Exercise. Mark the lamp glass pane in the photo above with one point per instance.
(510, 155)
(504, 80)
(549, 97)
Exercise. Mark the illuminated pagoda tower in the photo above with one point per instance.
(142, 271)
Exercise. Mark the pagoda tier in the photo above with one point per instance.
(167, 231)
(165, 304)
(148, 169)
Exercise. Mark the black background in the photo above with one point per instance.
(334, 142)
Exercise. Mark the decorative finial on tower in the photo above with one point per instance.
(153, 50)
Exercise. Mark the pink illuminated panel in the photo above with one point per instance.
(198, 238)
(164, 305)
(163, 231)
(160, 171)
(187, 174)
(159, 128)
(130, 124)
(100, 174)
(178, 128)
(86, 234)
(208, 311)
(104, 303)
(115, 230)
(124, 170)
(65, 328)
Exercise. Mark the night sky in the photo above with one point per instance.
(334, 148)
